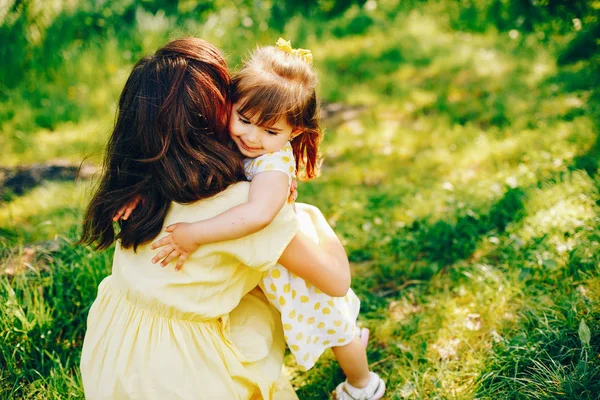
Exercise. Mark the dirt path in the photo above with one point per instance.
(18, 180)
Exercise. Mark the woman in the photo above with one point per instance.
(204, 332)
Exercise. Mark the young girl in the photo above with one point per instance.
(274, 123)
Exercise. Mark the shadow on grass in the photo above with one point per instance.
(426, 247)
(546, 353)
(20, 180)
(446, 243)
(552, 352)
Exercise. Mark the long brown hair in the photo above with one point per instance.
(273, 83)
(168, 143)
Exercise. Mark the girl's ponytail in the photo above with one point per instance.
(306, 152)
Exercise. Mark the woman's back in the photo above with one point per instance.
(159, 333)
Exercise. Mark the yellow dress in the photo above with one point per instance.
(312, 320)
(205, 332)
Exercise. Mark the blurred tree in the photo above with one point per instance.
(282, 11)
(525, 15)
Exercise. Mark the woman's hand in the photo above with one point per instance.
(180, 243)
(125, 211)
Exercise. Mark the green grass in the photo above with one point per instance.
(466, 194)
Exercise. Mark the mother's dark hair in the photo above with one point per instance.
(168, 143)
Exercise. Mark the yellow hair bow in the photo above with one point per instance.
(286, 46)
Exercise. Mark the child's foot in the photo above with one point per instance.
(363, 334)
(373, 391)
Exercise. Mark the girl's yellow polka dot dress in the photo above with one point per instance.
(312, 321)
(282, 160)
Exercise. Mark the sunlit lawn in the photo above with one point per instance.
(473, 233)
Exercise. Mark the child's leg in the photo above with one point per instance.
(353, 361)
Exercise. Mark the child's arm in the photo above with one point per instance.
(268, 193)
(125, 211)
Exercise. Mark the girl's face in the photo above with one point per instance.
(253, 140)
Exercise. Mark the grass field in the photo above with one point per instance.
(462, 179)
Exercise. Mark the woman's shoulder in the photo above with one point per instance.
(237, 189)
(234, 194)
(207, 208)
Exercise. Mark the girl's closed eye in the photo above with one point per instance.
(272, 130)
(243, 121)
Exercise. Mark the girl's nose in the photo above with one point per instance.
(252, 134)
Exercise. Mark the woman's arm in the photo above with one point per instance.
(325, 265)
(268, 193)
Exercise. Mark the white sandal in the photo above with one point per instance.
(374, 390)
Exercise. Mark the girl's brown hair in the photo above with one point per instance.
(168, 143)
(273, 83)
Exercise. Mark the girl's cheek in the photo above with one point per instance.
(234, 129)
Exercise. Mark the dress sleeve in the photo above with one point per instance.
(262, 250)
(282, 160)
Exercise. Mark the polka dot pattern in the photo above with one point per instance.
(312, 322)
(282, 160)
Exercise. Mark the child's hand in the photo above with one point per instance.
(125, 211)
(179, 243)
(293, 191)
